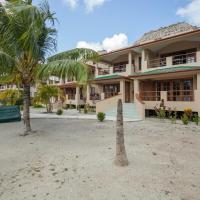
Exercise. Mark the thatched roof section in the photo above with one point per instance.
(166, 32)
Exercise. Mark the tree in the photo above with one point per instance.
(121, 157)
(27, 37)
(46, 93)
(10, 96)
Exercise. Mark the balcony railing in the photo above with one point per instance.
(110, 94)
(172, 95)
(71, 96)
(95, 97)
(159, 62)
(180, 95)
(178, 59)
(119, 69)
(184, 58)
(150, 96)
(102, 71)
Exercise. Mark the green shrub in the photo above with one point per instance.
(38, 106)
(101, 116)
(196, 119)
(85, 109)
(173, 118)
(161, 113)
(59, 112)
(185, 119)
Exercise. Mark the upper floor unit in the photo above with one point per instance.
(175, 45)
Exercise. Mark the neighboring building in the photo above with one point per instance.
(4, 87)
(163, 64)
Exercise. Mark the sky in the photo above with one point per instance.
(112, 24)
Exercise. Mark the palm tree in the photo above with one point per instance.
(121, 157)
(46, 93)
(27, 37)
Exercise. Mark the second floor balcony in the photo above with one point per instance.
(177, 59)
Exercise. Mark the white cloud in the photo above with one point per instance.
(71, 3)
(191, 12)
(91, 4)
(117, 41)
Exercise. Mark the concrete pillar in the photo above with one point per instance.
(77, 96)
(163, 95)
(111, 70)
(122, 90)
(136, 87)
(102, 96)
(130, 58)
(144, 60)
(169, 61)
(198, 81)
(88, 93)
(198, 56)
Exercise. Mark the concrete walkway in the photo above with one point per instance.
(40, 113)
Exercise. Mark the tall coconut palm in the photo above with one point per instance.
(121, 157)
(27, 37)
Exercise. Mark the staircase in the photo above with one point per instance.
(129, 112)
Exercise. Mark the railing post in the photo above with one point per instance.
(169, 61)
(163, 95)
(111, 70)
(102, 96)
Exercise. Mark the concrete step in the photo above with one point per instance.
(129, 111)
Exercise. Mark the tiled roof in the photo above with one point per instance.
(166, 32)
(168, 70)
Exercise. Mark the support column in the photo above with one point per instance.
(136, 87)
(122, 90)
(130, 67)
(197, 93)
(144, 60)
(88, 94)
(77, 97)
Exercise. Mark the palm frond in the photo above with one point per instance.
(65, 68)
(79, 54)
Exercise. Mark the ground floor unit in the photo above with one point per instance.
(178, 88)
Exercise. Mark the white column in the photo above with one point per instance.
(122, 90)
(136, 87)
(169, 61)
(88, 93)
(77, 97)
(144, 61)
(130, 58)
(111, 70)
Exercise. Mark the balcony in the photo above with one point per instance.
(119, 68)
(178, 59)
(171, 95)
(102, 71)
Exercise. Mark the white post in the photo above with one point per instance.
(77, 97)
(122, 90)
(144, 61)
(169, 61)
(88, 93)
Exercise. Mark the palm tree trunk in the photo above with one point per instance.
(121, 157)
(26, 109)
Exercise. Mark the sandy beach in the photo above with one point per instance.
(70, 159)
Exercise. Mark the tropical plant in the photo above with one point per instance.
(121, 157)
(196, 119)
(188, 112)
(46, 94)
(101, 116)
(27, 37)
(10, 96)
(185, 119)
(59, 112)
